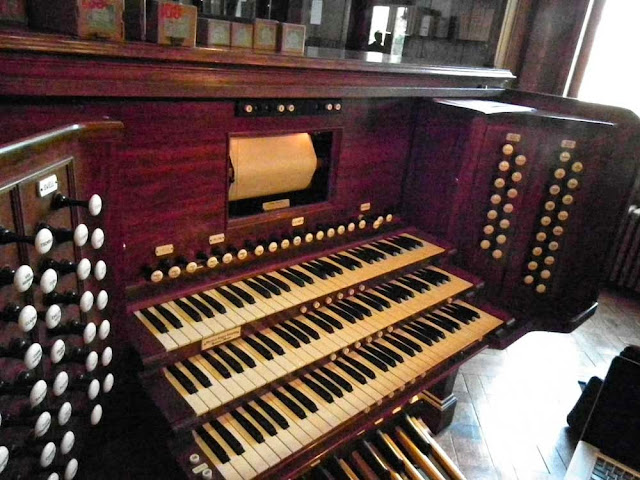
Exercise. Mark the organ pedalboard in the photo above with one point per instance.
(301, 320)
(55, 321)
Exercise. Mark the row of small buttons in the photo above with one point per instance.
(560, 196)
(217, 256)
(505, 185)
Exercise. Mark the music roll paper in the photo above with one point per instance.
(271, 165)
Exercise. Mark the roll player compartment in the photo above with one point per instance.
(271, 172)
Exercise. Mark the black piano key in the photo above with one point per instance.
(319, 322)
(386, 292)
(201, 306)
(295, 332)
(305, 328)
(321, 392)
(328, 384)
(342, 261)
(350, 310)
(416, 242)
(270, 343)
(413, 284)
(169, 317)
(189, 310)
(215, 304)
(258, 288)
(404, 291)
(422, 284)
(258, 347)
(290, 404)
(330, 266)
(467, 310)
(432, 276)
(387, 248)
(361, 255)
(361, 308)
(342, 314)
(407, 341)
(330, 320)
(416, 334)
(243, 294)
(277, 282)
(228, 437)
(197, 373)
(238, 352)
(314, 271)
(155, 321)
(213, 445)
(273, 413)
(228, 359)
(431, 329)
(248, 426)
(360, 366)
(341, 382)
(268, 285)
(385, 303)
(260, 420)
(292, 278)
(326, 269)
(400, 346)
(353, 373)
(383, 348)
(302, 398)
(457, 314)
(369, 301)
(373, 359)
(348, 260)
(375, 253)
(380, 355)
(216, 364)
(230, 297)
(286, 336)
(182, 379)
(462, 310)
(306, 278)
(443, 322)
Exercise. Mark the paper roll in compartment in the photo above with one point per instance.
(264, 166)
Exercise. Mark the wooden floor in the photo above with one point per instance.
(510, 421)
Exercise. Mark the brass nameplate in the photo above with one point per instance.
(217, 238)
(365, 206)
(296, 222)
(276, 204)
(164, 250)
(568, 144)
(220, 338)
(514, 137)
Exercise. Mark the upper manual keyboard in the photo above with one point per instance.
(202, 316)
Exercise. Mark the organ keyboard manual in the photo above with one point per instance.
(244, 266)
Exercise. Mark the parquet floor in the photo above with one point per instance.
(510, 420)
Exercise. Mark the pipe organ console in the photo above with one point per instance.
(290, 253)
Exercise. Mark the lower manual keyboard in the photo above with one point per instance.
(224, 373)
(265, 430)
